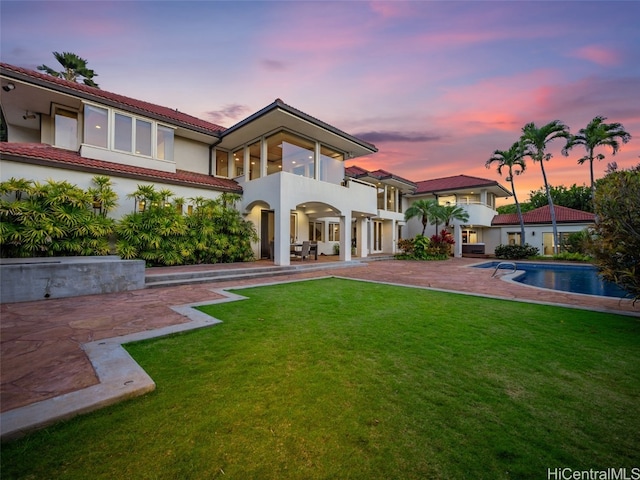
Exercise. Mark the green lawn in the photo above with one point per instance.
(338, 379)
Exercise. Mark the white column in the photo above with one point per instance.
(363, 237)
(345, 237)
(282, 242)
(457, 236)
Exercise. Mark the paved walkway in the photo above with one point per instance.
(42, 342)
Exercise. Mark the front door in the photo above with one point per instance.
(267, 226)
(377, 236)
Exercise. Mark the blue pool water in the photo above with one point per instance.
(568, 278)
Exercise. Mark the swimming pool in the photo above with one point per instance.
(568, 278)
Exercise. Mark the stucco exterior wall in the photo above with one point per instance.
(191, 155)
(122, 186)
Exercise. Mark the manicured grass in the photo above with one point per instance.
(337, 378)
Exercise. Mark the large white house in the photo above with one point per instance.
(288, 167)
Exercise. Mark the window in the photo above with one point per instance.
(513, 238)
(254, 161)
(238, 162)
(470, 199)
(143, 138)
(123, 132)
(287, 152)
(66, 129)
(381, 197)
(293, 227)
(391, 199)
(164, 143)
(96, 126)
(469, 236)
(334, 232)
(315, 231)
(447, 200)
(126, 133)
(222, 163)
(331, 165)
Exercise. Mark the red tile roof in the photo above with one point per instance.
(543, 215)
(453, 183)
(41, 154)
(101, 96)
(357, 172)
(354, 171)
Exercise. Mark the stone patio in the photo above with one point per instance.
(42, 342)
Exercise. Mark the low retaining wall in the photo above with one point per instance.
(27, 279)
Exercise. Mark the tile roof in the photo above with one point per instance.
(356, 172)
(41, 154)
(102, 96)
(453, 183)
(543, 215)
(279, 104)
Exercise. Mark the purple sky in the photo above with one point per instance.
(436, 86)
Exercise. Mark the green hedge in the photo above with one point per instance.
(60, 219)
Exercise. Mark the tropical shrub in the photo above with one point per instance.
(157, 232)
(577, 242)
(218, 233)
(161, 235)
(616, 241)
(55, 218)
(420, 248)
(441, 244)
(406, 245)
(573, 257)
(515, 252)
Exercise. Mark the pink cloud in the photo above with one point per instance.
(599, 55)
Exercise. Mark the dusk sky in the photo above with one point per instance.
(437, 86)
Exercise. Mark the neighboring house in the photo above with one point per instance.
(287, 165)
(538, 230)
(475, 195)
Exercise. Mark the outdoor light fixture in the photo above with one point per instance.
(8, 87)
(28, 116)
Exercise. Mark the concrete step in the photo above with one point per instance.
(224, 275)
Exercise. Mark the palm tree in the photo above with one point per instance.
(598, 134)
(425, 209)
(453, 212)
(74, 67)
(535, 141)
(513, 159)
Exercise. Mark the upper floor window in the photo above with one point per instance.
(222, 163)
(96, 126)
(331, 165)
(126, 133)
(66, 129)
(164, 144)
(238, 162)
(290, 153)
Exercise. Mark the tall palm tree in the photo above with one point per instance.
(513, 159)
(535, 140)
(598, 134)
(74, 67)
(425, 209)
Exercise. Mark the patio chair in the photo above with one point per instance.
(304, 251)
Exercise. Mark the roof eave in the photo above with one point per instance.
(366, 148)
(22, 77)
